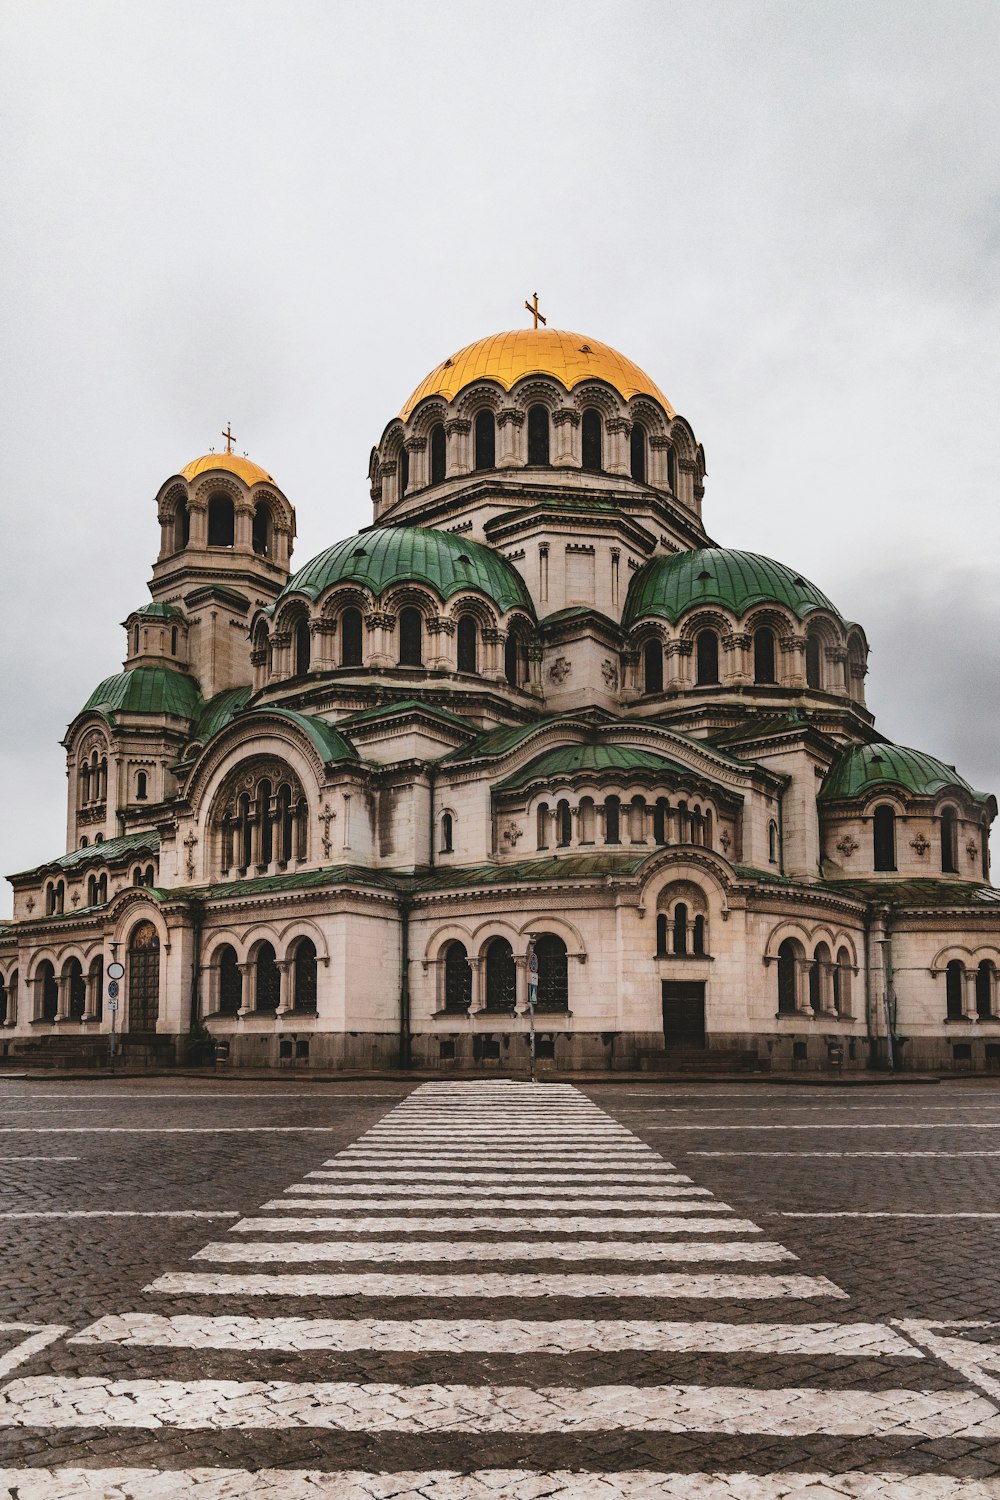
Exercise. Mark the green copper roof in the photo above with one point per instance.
(219, 711)
(670, 586)
(526, 871)
(496, 742)
(388, 555)
(864, 767)
(159, 611)
(571, 760)
(108, 852)
(331, 745)
(146, 690)
(407, 706)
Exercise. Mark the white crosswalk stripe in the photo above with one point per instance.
(550, 1178)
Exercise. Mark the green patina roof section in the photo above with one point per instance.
(109, 851)
(497, 742)
(572, 867)
(864, 767)
(298, 880)
(388, 555)
(146, 690)
(159, 611)
(567, 760)
(900, 894)
(406, 705)
(219, 711)
(670, 586)
(331, 745)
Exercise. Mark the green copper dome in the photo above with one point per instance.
(146, 690)
(586, 760)
(387, 555)
(864, 767)
(670, 586)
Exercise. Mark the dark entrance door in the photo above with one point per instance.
(683, 1014)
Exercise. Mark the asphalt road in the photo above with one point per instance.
(477, 1289)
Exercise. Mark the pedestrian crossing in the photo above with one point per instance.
(533, 1302)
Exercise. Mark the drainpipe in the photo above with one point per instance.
(405, 1056)
(433, 787)
(197, 918)
(781, 831)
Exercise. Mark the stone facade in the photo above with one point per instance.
(329, 815)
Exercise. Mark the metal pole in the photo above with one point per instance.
(532, 1000)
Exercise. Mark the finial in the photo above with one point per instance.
(533, 309)
(228, 435)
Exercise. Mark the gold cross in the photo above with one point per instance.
(533, 309)
(228, 435)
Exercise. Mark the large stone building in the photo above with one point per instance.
(327, 813)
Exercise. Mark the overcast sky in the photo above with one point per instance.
(284, 215)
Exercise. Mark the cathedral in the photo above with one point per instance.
(530, 757)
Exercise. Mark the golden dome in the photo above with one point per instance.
(508, 357)
(232, 463)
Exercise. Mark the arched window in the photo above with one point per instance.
(954, 984)
(246, 830)
(586, 820)
(707, 657)
(788, 962)
(141, 786)
(638, 452)
(404, 471)
(137, 875)
(91, 890)
(661, 935)
(143, 978)
(612, 820)
(984, 846)
(814, 662)
(350, 638)
(135, 640)
(3, 1002)
(564, 824)
(680, 934)
(884, 837)
(500, 976)
(468, 644)
(842, 975)
(515, 658)
(772, 842)
(592, 433)
(182, 526)
(637, 820)
(819, 978)
(221, 522)
(149, 879)
(457, 979)
(485, 440)
(304, 971)
(267, 979)
(230, 981)
(303, 645)
(411, 638)
(538, 434)
(652, 666)
(284, 822)
(439, 453)
(173, 640)
(553, 979)
(77, 990)
(264, 820)
(262, 529)
(447, 833)
(542, 822)
(48, 991)
(985, 981)
(661, 820)
(671, 469)
(949, 841)
(763, 655)
(698, 934)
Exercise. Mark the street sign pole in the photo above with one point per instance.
(115, 973)
(532, 1002)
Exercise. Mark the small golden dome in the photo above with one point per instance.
(508, 357)
(232, 463)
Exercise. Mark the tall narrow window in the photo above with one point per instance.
(262, 529)
(814, 662)
(949, 841)
(538, 434)
(661, 935)
(246, 831)
(954, 983)
(553, 980)
(661, 816)
(515, 658)
(447, 833)
(612, 820)
(303, 646)
(404, 471)
(221, 522)
(592, 435)
(350, 638)
(884, 837)
(698, 934)
(173, 640)
(788, 959)
(141, 786)
(763, 655)
(77, 990)
(48, 988)
(680, 928)
(304, 976)
(457, 979)
(564, 824)
(542, 825)
(411, 638)
(842, 983)
(267, 980)
(652, 666)
(707, 657)
(985, 978)
(500, 976)
(439, 453)
(586, 819)
(182, 526)
(671, 470)
(285, 821)
(638, 452)
(230, 981)
(468, 636)
(265, 820)
(772, 842)
(485, 440)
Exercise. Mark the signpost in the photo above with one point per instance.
(116, 972)
(532, 1002)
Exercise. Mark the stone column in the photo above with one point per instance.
(387, 480)
(686, 475)
(534, 683)
(440, 653)
(618, 459)
(458, 457)
(631, 687)
(477, 965)
(286, 999)
(416, 447)
(837, 657)
(282, 542)
(969, 1008)
(493, 651)
(281, 642)
(246, 991)
(565, 442)
(243, 533)
(198, 517)
(793, 672)
(803, 1006)
(521, 983)
(738, 646)
(678, 656)
(510, 420)
(62, 1010)
(325, 643)
(381, 626)
(656, 473)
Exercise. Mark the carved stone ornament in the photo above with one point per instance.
(511, 833)
(326, 817)
(725, 840)
(75, 898)
(560, 669)
(190, 844)
(30, 903)
(920, 845)
(971, 849)
(610, 673)
(848, 845)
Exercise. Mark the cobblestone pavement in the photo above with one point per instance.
(488, 1289)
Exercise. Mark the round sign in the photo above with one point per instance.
(113, 989)
(116, 971)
